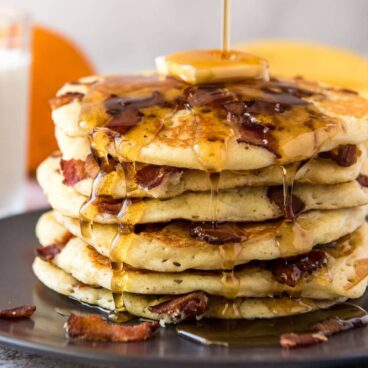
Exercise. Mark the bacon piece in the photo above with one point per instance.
(151, 176)
(49, 252)
(347, 155)
(334, 325)
(65, 99)
(113, 206)
(253, 132)
(363, 180)
(293, 207)
(73, 170)
(94, 328)
(109, 205)
(205, 95)
(217, 234)
(126, 120)
(115, 105)
(293, 340)
(321, 331)
(290, 271)
(182, 308)
(235, 107)
(24, 311)
(125, 112)
(91, 166)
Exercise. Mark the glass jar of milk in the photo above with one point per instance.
(14, 86)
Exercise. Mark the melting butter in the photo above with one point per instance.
(209, 66)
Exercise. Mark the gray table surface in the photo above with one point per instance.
(13, 358)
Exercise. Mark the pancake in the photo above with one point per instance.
(245, 308)
(174, 181)
(343, 273)
(63, 283)
(240, 204)
(77, 148)
(239, 308)
(180, 125)
(172, 249)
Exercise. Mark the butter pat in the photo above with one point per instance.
(207, 66)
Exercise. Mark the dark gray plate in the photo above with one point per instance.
(44, 333)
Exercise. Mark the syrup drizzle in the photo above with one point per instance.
(200, 122)
(226, 27)
(129, 216)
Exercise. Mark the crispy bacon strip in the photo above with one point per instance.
(64, 99)
(334, 325)
(320, 331)
(253, 132)
(109, 205)
(24, 311)
(182, 308)
(94, 328)
(151, 176)
(49, 252)
(73, 170)
(293, 340)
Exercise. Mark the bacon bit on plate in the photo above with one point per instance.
(49, 252)
(65, 99)
(293, 340)
(182, 308)
(94, 328)
(320, 331)
(24, 311)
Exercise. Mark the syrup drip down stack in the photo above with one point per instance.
(177, 198)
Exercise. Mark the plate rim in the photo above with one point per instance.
(80, 354)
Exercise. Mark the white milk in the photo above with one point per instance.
(14, 71)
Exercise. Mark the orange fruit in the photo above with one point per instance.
(56, 60)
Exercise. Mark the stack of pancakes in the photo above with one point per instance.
(249, 195)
